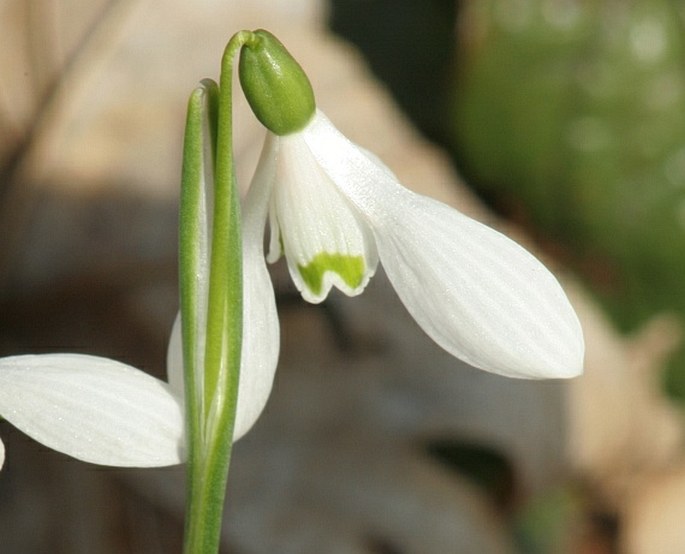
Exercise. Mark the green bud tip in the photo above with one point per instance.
(275, 85)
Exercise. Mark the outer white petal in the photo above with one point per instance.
(94, 409)
(261, 340)
(325, 241)
(478, 294)
(2, 454)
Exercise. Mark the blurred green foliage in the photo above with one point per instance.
(549, 522)
(567, 115)
(579, 113)
(573, 113)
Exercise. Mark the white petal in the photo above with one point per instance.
(2, 454)
(478, 294)
(474, 291)
(325, 242)
(261, 334)
(94, 409)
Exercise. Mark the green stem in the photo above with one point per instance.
(212, 399)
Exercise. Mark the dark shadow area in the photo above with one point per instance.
(410, 45)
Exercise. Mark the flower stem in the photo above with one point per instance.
(211, 312)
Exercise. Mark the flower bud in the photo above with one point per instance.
(275, 85)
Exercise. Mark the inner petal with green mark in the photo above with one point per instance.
(325, 241)
(348, 268)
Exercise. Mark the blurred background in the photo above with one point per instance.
(560, 122)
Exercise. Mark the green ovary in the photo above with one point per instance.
(349, 268)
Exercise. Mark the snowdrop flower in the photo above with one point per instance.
(334, 212)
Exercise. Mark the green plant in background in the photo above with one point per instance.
(574, 114)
